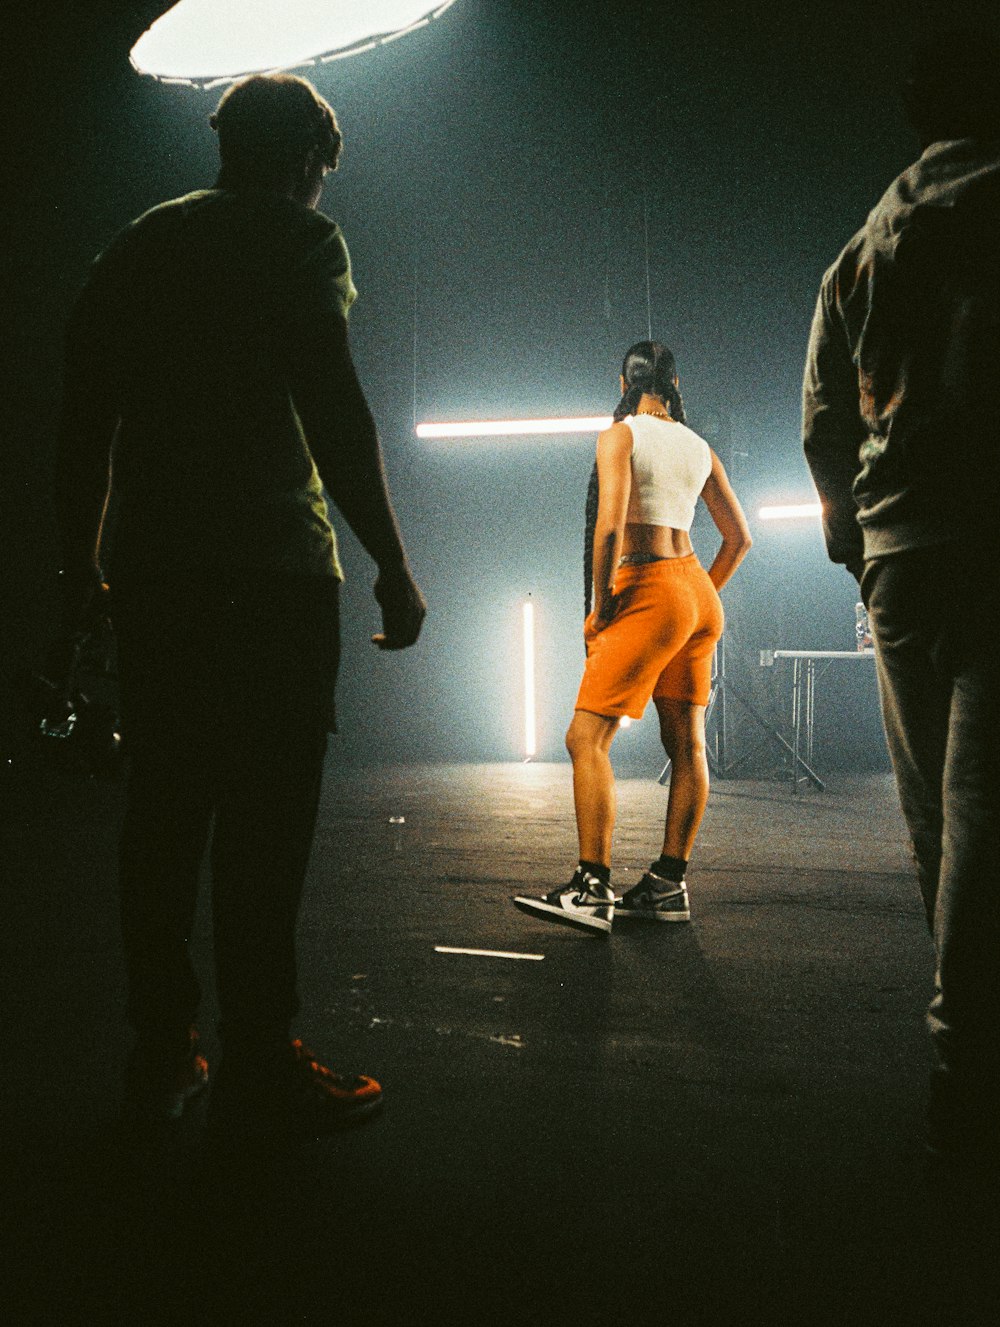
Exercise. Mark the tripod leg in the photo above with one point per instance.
(722, 726)
(717, 705)
(798, 762)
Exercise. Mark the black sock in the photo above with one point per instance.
(669, 868)
(603, 873)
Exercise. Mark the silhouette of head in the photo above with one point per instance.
(276, 132)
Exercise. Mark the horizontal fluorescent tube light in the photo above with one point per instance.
(505, 428)
(790, 512)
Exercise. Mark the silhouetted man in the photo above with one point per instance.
(902, 434)
(210, 347)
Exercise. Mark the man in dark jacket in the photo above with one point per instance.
(209, 351)
(902, 434)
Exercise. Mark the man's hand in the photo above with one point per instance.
(403, 609)
(84, 609)
(85, 600)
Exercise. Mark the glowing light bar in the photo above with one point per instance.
(791, 511)
(486, 953)
(529, 681)
(507, 428)
(215, 41)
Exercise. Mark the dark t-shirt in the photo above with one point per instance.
(195, 319)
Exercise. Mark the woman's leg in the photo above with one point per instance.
(682, 730)
(588, 742)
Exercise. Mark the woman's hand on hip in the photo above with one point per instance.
(602, 616)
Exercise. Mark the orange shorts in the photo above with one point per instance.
(660, 642)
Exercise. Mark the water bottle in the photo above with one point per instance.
(862, 629)
(396, 824)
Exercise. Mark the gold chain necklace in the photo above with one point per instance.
(656, 414)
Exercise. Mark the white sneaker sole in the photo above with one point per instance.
(672, 914)
(653, 915)
(551, 912)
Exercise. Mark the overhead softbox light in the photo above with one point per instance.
(202, 42)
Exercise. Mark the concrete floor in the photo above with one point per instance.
(714, 1123)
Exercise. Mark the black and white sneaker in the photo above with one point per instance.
(656, 900)
(586, 902)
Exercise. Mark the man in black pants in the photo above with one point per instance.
(210, 347)
(902, 434)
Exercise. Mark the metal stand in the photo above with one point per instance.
(803, 708)
(807, 667)
(718, 737)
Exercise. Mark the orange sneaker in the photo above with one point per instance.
(162, 1079)
(289, 1091)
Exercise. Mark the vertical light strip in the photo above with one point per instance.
(529, 681)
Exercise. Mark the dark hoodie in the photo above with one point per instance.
(901, 400)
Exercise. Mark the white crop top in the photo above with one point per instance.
(670, 464)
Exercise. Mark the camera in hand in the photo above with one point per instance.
(76, 730)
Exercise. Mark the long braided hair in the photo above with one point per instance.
(649, 367)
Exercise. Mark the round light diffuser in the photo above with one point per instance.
(202, 42)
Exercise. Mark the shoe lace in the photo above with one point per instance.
(586, 899)
(315, 1068)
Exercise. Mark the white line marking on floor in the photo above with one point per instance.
(486, 953)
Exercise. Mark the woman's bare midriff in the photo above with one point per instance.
(661, 540)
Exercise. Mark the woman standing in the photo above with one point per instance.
(652, 634)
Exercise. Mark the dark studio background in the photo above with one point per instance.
(497, 168)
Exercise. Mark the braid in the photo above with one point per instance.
(648, 367)
(676, 403)
(626, 406)
(628, 403)
(590, 524)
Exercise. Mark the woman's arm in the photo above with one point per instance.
(614, 474)
(725, 510)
